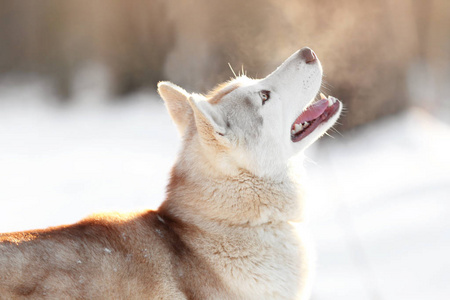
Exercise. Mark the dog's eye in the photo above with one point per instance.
(265, 95)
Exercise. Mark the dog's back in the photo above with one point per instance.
(110, 257)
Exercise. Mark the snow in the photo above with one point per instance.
(59, 165)
(379, 206)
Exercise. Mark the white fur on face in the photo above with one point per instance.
(262, 132)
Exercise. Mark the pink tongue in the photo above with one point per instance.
(312, 111)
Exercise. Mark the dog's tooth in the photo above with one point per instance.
(322, 96)
(330, 101)
(306, 124)
(298, 127)
(292, 132)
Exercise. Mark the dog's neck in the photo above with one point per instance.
(241, 199)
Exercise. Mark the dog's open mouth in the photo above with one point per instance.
(315, 114)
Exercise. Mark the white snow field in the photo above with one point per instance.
(379, 197)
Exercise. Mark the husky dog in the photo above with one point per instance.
(224, 230)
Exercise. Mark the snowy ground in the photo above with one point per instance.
(382, 223)
(379, 197)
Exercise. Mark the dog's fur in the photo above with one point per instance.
(222, 233)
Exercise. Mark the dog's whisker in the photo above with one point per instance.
(324, 81)
(231, 68)
(337, 131)
(310, 160)
(327, 90)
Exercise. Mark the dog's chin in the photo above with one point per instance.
(315, 119)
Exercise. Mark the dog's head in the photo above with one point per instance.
(256, 125)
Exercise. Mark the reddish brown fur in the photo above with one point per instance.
(221, 91)
(68, 253)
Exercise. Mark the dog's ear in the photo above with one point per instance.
(210, 122)
(176, 99)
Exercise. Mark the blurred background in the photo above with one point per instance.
(82, 129)
(395, 52)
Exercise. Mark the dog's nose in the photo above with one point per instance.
(308, 55)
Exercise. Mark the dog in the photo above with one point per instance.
(224, 231)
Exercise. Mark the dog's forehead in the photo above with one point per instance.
(219, 92)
